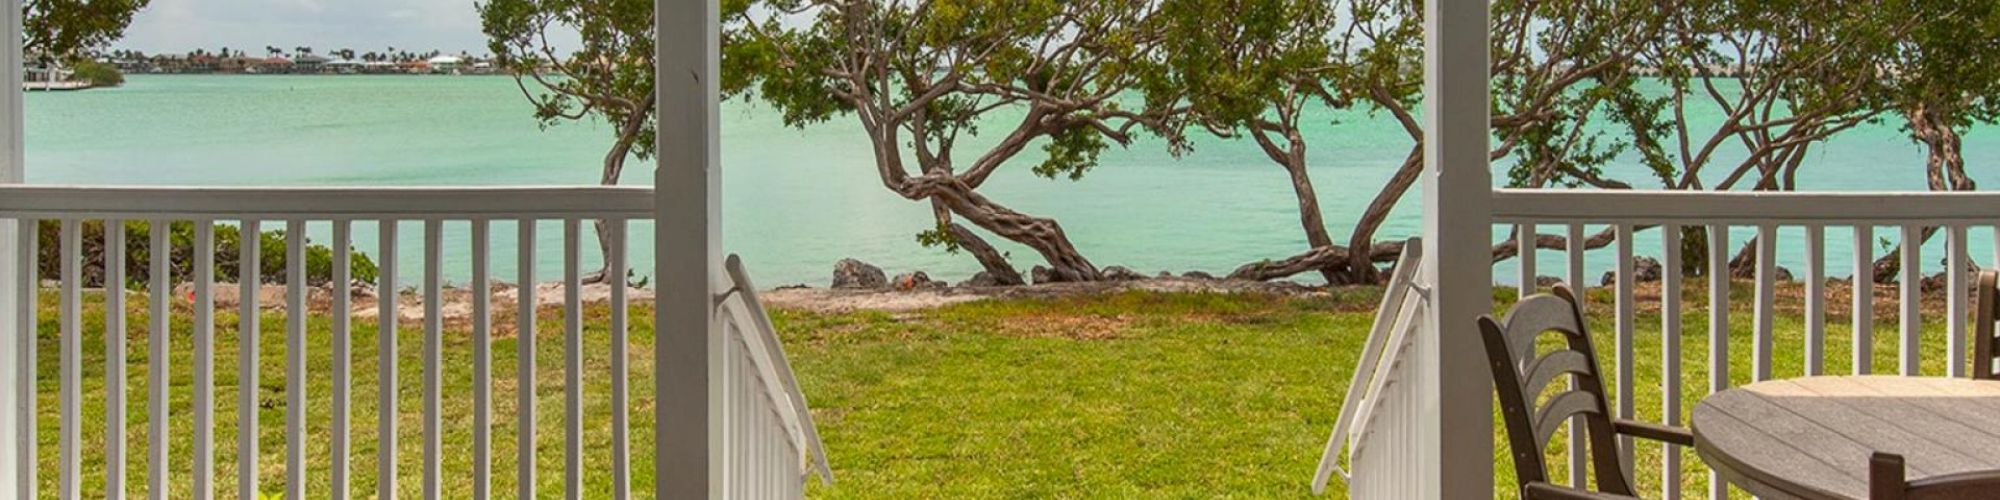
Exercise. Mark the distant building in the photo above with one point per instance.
(274, 64)
(445, 64)
(309, 63)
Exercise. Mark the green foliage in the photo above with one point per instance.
(939, 237)
(65, 28)
(922, 76)
(1245, 65)
(228, 245)
(98, 74)
(608, 75)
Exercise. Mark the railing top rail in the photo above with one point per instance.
(1742, 207)
(325, 203)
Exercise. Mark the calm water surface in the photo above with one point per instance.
(795, 201)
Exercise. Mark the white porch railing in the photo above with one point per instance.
(770, 424)
(1906, 215)
(1383, 387)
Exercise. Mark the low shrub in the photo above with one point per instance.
(228, 245)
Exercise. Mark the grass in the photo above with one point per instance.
(1122, 395)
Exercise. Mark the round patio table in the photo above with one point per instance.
(1812, 437)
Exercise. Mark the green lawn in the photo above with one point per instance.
(1122, 395)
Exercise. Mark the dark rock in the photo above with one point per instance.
(1547, 281)
(914, 281)
(1644, 270)
(1166, 275)
(1042, 275)
(982, 280)
(1936, 282)
(857, 275)
(1198, 275)
(1121, 273)
(1785, 275)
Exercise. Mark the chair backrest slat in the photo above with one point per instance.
(1521, 377)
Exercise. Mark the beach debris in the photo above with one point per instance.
(1198, 275)
(915, 281)
(857, 275)
(1121, 273)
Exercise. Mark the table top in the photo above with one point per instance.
(1812, 437)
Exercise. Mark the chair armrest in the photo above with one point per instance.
(1652, 431)
(1546, 491)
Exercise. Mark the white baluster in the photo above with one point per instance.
(160, 340)
(621, 463)
(115, 333)
(1627, 330)
(433, 348)
(1912, 289)
(343, 354)
(71, 354)
(1864, 300)
(572, 361)
(1957, 295)
(295, 360)
(386, 311)
(250, 280)
(1718, 330)
(1578, 450)
(1815, 300)
(1767, 295)
(26, 388)
(525, 370)
(1670, 355)
(482, 362)
(204, 359)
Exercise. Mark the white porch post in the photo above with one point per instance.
(687, 370)
(12, 171)
(1456, 433)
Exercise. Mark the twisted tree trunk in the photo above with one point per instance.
(614, 168)
(1359, 268)
(1292, 157)
(1944, 169)
(963, 238)
(1044, 235)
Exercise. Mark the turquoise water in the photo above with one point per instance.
(795, 201)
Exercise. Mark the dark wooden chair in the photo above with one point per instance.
(1984, 347)
(1887, 481)
(1521, 376)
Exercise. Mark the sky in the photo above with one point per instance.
(177, 26)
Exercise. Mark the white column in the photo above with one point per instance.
(12, 171)
(687, 244)
(1456, 429)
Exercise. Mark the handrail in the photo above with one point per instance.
(324, 203)
(1742, 207)
(777, 363)
(1370, 376)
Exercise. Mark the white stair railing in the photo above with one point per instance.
(764, 401)
(1381, 386)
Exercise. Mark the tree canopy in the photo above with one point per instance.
(63, 28)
